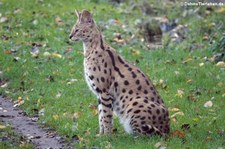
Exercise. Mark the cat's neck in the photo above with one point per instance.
(94, 43)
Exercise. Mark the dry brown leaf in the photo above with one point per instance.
(205, 37)
(180, 93)
(135, 52)
(56, 117)
(119, 41)
(56, 55)
(178, 133)
(170, 62)
(117, 21)
(196, 119)
(8, 51)
(46, 54)
(18, 102)
(189, 81)
(3, 19)
(174, 119)
(76, 115)
(58, 95)
(177, 113)
(220, 84)
(2, 126)
(208, 104)
(201, 64)
(187, 60)
(58, 21)
(160, 145)
(177, 73)
(174, 109)
(220, 10)
(221, 64)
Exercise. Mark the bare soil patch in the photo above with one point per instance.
(42, 138)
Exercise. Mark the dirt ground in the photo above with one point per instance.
(42, 138)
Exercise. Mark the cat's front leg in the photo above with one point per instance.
(105, 113)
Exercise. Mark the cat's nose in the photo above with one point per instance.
(70, 36)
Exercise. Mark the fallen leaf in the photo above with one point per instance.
(16, 11)
(220, 84)
(56, 117)
(71, 81)
(35, 22)
(68, 50)
(117, 21)
(189, 81)
(187, 60)
(174, 119)
(208, 104)
(24, 145)
(20, 98)
(170, 62)
(58, 95)
(223, 95)
(2, 126)
(160, 145)
(3, 19)
(178, 133)
(3, 84)
(135, 52)
(58, 21)
(94, 109)
(192, 97)
(41, 112)
(108, 146)
(176, 72)
(163, 83)
(8, 51)
(119, 41)
(18, 102)
(201, 64)
(180, 93)
(221, 64)
(174, 109)
(221, 10)
(205, 37)
(88, 132)
(46, 54)
(76, 115)
(177, 113)
(196, 119)
(56, 55)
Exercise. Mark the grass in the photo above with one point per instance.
(56, 85)
(10, 139)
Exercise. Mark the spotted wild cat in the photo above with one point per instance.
(120, 86)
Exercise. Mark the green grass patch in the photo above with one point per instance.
(54, 88)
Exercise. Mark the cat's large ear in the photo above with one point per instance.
(77, 13)
(86, 17)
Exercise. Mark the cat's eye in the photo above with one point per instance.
(76, 30)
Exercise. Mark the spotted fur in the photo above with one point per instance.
(120, 86)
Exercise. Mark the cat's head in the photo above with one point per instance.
(83, 27)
